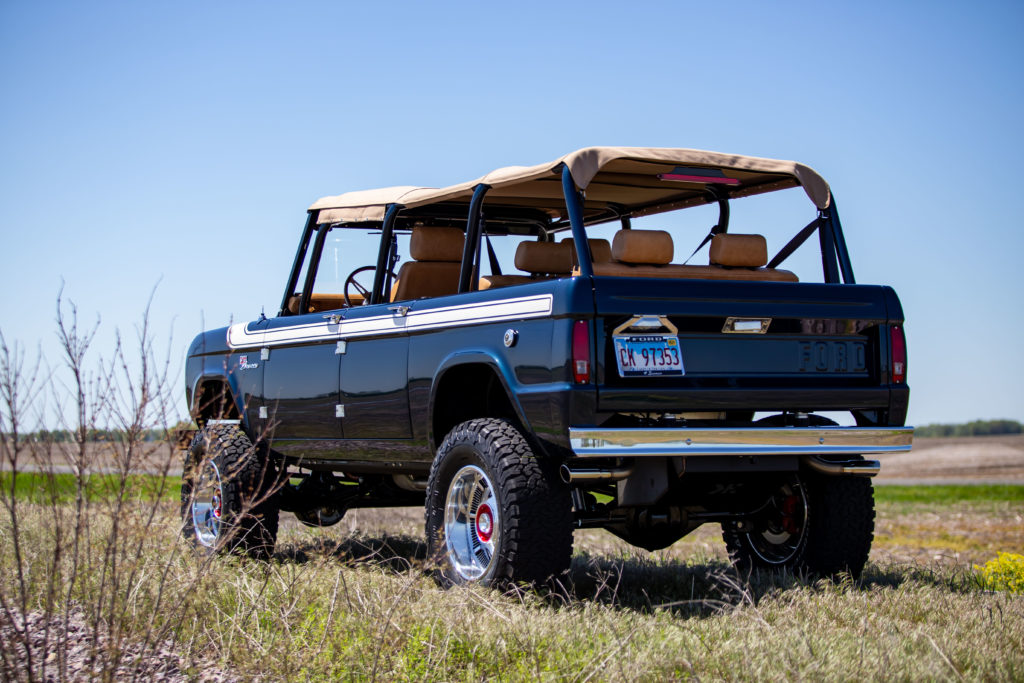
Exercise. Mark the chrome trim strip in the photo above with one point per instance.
(239, 336)
(642, 442)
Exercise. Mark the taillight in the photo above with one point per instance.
(581, 352)
(899, 354)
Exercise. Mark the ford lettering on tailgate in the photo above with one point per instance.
(645, 355)
(832, 356)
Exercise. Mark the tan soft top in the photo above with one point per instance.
(636, 180)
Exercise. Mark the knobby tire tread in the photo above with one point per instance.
(245, 477)
(536, 509)
(842, 525)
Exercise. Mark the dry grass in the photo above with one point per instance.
(356, 601)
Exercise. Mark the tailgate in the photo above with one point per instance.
(742, 345)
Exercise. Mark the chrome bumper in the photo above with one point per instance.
(643, 442)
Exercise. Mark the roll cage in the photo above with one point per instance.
(569, 213)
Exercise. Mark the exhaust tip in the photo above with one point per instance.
(574, 476)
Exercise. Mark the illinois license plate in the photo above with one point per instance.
(646, 355)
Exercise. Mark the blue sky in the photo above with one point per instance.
(181, 143)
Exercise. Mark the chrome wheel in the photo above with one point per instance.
(208, 505)
(781, 526)
(471, 524)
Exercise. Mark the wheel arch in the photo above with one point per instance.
(486, 388)
(215, 397)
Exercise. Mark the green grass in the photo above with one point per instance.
(60, 488)
(357, 607)
(948, 495)
(357, 602)
(41, 487)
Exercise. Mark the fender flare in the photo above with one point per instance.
(474, 357)
(225, 380)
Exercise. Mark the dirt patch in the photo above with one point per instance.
(961, 534)
(151, 457)
(71, 650)
(990, 459)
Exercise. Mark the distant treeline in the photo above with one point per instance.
(114, 435)
(976, 428)
(111, 435)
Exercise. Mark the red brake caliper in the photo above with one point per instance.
(789, 514)
(484, 523)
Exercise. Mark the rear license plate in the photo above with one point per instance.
(646, 355)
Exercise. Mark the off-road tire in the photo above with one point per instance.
(249, 511)
(840, 528)
(534, 516)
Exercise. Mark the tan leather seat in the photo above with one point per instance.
(544, 258)
(600, 250)
(742, 257)
(437, 254)
(648, 253)
(639, 253)
(324, 302)
(738, 251)
(541, 260)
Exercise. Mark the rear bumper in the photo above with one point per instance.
(587, 442)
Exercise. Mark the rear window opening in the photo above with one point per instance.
(777, 216)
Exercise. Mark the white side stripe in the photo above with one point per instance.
(239, 336)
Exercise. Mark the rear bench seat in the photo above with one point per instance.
(600, 250)
(648, 253)
(543, 260)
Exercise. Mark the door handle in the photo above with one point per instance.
(333, 318)
(401, 311)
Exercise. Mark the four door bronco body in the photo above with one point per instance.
(522, 357)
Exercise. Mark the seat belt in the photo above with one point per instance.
(492, 257)
(795, 243)
(716, 230)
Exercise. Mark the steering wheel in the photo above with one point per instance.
(352, 283)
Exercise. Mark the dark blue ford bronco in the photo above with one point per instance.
(591, 378)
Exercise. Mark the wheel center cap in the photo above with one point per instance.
(484, 523)
(215, 504)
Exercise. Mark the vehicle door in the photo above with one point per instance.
(301, 356)
(300, 380)
(374, 373)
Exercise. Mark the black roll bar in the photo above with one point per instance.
(574, 205)
(470, 249)
(383, 263)
(300, 256)
(314, 265)
(828, 251)
(840, 242)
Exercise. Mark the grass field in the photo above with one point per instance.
(356, 601)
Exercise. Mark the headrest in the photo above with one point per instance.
(743, 251)
(436, 244)
(544, 257)
(649, 247)
(600, 250)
